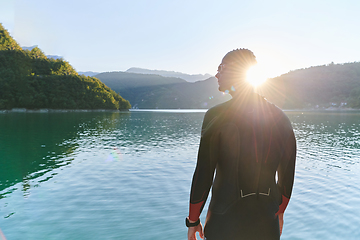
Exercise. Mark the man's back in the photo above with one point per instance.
(247, 140)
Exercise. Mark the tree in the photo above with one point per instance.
(29, 79)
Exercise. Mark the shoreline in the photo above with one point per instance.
(322, 110)
(48, 110)
(330, 109)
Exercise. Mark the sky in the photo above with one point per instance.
(189, 36)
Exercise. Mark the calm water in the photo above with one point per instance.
(128, 175)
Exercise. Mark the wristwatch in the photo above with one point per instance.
(189, 224)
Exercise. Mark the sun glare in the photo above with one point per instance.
(256, 75)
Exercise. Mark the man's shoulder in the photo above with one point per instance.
(273, 108)
(278, 114)
(217, 110)
(213, 117)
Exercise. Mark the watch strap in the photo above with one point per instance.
(189, 224)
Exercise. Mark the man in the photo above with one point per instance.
(247, 140)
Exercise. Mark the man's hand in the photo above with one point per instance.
(281, 221)
(192, 232)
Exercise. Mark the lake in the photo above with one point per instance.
(127, 175)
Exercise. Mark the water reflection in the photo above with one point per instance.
(34, 144)
(328, 137)
(144, 132)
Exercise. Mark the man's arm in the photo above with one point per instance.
(203, 176)
(286, 172)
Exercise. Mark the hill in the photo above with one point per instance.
(187, 77)
(332, 85)
(319, 87)
(29, 79)
(154, 91)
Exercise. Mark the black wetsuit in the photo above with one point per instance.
(247, 140)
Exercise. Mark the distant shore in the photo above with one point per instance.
(330, 109)
(46, 110)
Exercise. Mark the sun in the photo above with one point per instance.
(257, 75)
(265, 69)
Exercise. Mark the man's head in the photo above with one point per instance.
(232, 70)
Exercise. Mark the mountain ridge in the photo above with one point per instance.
(164, 73)
(155, 91)
(331, 86)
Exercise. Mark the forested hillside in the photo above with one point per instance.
(154, 91)
(333, 85)
(28, 79)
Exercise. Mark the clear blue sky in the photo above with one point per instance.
(188, 36)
